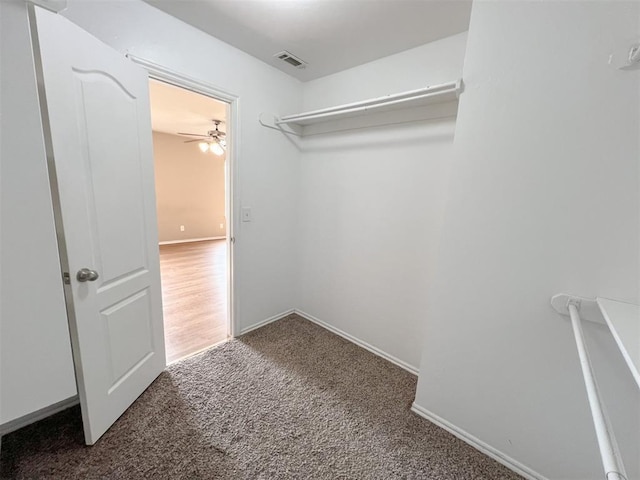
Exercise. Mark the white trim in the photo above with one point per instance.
(267, 321)
(38, 415)
(232, 181)
(478, 444)
(375, 350)
(184, 81)
(189, 240)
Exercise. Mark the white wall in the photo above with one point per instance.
(189, 189)
(267, 167)
(371, 203)
(430, 64)
(36, 367)
(543, 198)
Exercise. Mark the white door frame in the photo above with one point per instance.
(166, 75)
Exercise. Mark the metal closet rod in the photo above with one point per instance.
(611, 460)
(363, 106)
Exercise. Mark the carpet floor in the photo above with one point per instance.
(288, 401)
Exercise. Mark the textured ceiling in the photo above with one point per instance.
(330, 35)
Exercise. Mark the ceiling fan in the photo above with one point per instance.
(214, 141)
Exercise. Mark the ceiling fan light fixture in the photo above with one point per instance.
(213, 141)
(216, 149)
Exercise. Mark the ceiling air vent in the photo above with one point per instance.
(291, 59)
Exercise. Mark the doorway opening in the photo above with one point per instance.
(192, 180)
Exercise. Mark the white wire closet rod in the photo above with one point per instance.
(609, 454)
(423, 96)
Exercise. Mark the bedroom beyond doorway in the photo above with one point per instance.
(190, 143)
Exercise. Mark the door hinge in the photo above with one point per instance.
(66, 278)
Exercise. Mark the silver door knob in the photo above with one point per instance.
(87, 275)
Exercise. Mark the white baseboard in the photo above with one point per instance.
(38, 415)
(189, 240)
(267, 321)
(396, 361)
(478, 444)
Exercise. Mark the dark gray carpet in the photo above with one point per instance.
(288, 401)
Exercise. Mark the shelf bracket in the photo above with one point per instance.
(270, 120)
(587, 307)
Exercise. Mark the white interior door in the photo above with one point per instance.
(96, 116)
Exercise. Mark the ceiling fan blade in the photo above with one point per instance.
(192, 134)
(195, 140)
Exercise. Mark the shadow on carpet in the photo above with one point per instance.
(288, 401)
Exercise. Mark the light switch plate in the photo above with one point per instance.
(246, 214)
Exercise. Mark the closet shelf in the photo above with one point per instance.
(623, 320)
(625, 315)
(414, 98)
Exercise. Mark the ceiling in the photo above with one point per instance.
(175, 109)
(330, 35)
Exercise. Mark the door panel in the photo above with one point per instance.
(129, 335)
(96, 114)
(110, 148)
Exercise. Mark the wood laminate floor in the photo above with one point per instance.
(194, 294)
